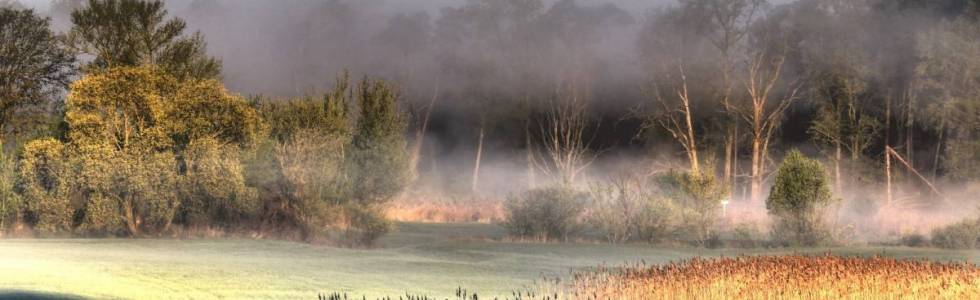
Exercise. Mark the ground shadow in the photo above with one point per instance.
(33, 295)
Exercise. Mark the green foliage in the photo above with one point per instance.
(121, 108)
(136, 32)
(699, 196)
(549, 213)
(145, 186)
(322, 174)
(94, 173)
(948, 75)
(312, 181)
(961, 235)
(203, 109)
(299, 166)
(43, 182)
(366, 225)
(377, 165)
(213, 188)
(10, 200)
(33, 66)
(797, 199)
(329, 115)
(120, 169)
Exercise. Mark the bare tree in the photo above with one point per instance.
(728, 24)
(565, 146)
(765, 109)
(420, 131)
(676, 117)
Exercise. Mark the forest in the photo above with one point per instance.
(700, 122)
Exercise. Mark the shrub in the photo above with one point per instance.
(698, 195)
(377, 163)
(616, 210)
(746, 235)
(44, 183)
(145, 185)
(367, 224)
(213, 188)
(95, 169)
(659, 220)
(914, 240)
(623, 211)
(797, 200)
(10, 201)
(962, 235)
(548, 213)
(312, 181)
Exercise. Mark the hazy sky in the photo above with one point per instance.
(626, 4)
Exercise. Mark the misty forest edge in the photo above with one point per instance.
(121, 126)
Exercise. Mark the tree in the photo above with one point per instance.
(378, 161)
(298, 167)
(564, 135)
(33, 66)
(116, 120)
(43, 180)
(134, 32)
(146, 144)
(675, 50)
(485, 46)
(699, 194)
(796, 200)
(213, 189)
(203, 109)
(10, 200)
(837, 67)
(11, 4)
(763, 109)
(727, 23)
(948, 72)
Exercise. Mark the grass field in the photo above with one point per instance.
(418, 258)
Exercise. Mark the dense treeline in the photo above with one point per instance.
(149, 143)
(147, 140)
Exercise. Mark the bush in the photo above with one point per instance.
(213, 188)
(914, 240)
(548, 213)
(797, 200)
(698, 195)
(962, 235)
(44, 183)
(9, 199)
(623, 211)
(312, 182)
(616, 210)
(377, 163)
(367, 224)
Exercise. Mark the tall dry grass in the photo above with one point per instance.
(774, 277)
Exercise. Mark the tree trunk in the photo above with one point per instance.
(838, 184)
(728, 167)
(420, 134)
(692, 147)
(130, 218)
(909, 126)
(939, 149)
(888, 176)
(734, 159)
(476, 165)
(756, 186)
(532, 177)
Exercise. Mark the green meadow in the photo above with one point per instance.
(432, 259)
